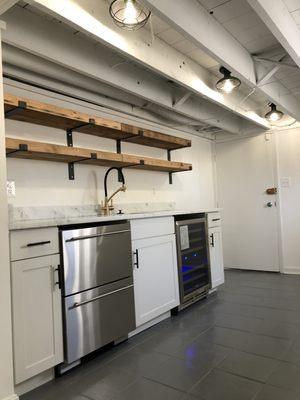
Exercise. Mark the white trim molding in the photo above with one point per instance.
(12, 397)
(291, 270)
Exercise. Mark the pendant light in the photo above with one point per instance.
(274, 115)
(228, 83)
(129, 14)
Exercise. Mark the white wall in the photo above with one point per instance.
(41, 183)
(288, 153)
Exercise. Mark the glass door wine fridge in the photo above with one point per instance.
(193, 258)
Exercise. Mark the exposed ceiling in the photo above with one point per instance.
(294, 8)
(238, 18)
(276, 72)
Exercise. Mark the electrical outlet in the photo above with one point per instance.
(11, 189)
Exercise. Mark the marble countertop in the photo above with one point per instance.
(50, 222)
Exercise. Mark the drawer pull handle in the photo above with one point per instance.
(74, 239)
(38, 243)
(76, 305)
(216, 219)
(59, 273)
(136, 263)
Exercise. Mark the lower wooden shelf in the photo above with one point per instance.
(22, 148)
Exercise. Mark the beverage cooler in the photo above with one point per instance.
(193, 258)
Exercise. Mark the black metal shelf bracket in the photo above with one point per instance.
(22, 147)
(119, 143)
(71, 165)
(142, 162)
(22, 105)
(70, 144)
(77, 128)
(170, 173)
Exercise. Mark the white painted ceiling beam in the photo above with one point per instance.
(53, 42)
(181, 99)
(268, 75)
(278, 19)
(6, 5)
(197, 25)
(92, 18)
(193, 21)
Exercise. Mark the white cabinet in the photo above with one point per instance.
(36, 305)
(216, 256)
(155, 277)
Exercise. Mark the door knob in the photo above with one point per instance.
(269, 204)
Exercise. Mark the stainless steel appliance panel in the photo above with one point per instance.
(97, 317)
(96, 256)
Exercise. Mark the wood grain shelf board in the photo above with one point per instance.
(155, 139)
(44, 114)
(59, 153)
(61, 118)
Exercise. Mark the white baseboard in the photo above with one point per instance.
(34, 382)
(12, 397)
(291, 270)
(153, 322)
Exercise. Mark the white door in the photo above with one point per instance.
(155, 277)
(37, 319)
(216, 257)
(245, 169)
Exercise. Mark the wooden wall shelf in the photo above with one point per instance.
(36, 112)
(70, 121)
(21, 148)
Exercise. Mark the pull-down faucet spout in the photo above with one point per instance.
(107, 205)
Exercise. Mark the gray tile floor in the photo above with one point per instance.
(242, 344)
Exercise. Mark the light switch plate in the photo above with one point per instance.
(285, 182)
(11, 189)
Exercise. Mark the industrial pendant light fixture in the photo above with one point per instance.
(129, 14)
(274, 115)
(228, 83)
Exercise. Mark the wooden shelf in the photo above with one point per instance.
(35, 112)
(22, 148)
(155, 139)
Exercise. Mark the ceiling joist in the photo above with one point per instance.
(197, 25)
(181, 99)
(53, 42)
(278, 19)
(6, 5)
(93, 19)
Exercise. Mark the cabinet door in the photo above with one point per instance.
(37, 316)
(155, 277)
(216, 256)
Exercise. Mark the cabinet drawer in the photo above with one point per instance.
(30, 243)
(213, 219)
(151, 227)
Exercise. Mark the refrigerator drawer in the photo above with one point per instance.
(96, 256)
(97, 317)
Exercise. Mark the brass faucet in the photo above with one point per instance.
(107, 205)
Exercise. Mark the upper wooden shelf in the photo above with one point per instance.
(36, 112)
(22, 148)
